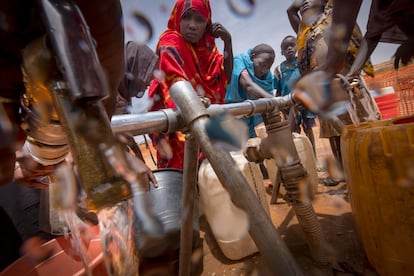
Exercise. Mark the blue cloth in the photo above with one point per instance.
(288, 77)
(284, 85)
(235, 93)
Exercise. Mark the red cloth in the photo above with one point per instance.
(201, 64)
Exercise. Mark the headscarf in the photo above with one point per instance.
(140, 62)
(200, 63)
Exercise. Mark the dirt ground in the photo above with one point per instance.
(334, 213)
(333, 209)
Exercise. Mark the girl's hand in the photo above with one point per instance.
(218, 31)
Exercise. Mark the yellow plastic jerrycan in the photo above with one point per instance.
(378, 159)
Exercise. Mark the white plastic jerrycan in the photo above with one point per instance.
(306, 156)
(229, 223)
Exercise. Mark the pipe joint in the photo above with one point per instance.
(253, 154)
(292, 176)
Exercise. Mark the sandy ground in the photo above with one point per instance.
(333, 210)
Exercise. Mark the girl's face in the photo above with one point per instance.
(288, 48)
(192, 26)
(262, 63)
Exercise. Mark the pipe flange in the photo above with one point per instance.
(253, 110)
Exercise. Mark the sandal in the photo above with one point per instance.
(330, 182)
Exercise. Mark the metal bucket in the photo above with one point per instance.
(166, 200)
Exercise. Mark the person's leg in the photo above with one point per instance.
(335, 142)
(308, 124)
(294, 120)
(336, 150)
(327, 131)
(309, 134)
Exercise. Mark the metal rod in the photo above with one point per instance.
(274, 251)
(187, 211)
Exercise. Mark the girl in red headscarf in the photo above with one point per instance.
(187, 51)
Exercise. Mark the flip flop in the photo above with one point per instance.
(330, 182)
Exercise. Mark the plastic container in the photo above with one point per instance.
(378, 160)
(388, 104)
(306, 155)
(229, 223)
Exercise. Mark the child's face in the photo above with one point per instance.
(192, 26)
(262, 63)
(288, 48)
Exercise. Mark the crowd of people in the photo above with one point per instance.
(187, 50)
(312, 21)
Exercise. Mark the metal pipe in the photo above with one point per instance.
(188, 198)
(280, 144)
(165, 120)
(168, 120)
(274, 251)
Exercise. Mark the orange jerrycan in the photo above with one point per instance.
(378, 159)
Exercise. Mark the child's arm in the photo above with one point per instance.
(293, 15)
(252, 88)
(219, 31)
(277, 83)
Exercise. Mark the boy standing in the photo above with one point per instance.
(286, 75)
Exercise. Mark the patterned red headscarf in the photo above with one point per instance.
(200, 63)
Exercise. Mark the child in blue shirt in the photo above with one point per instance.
(286, 75)
(252, 79)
